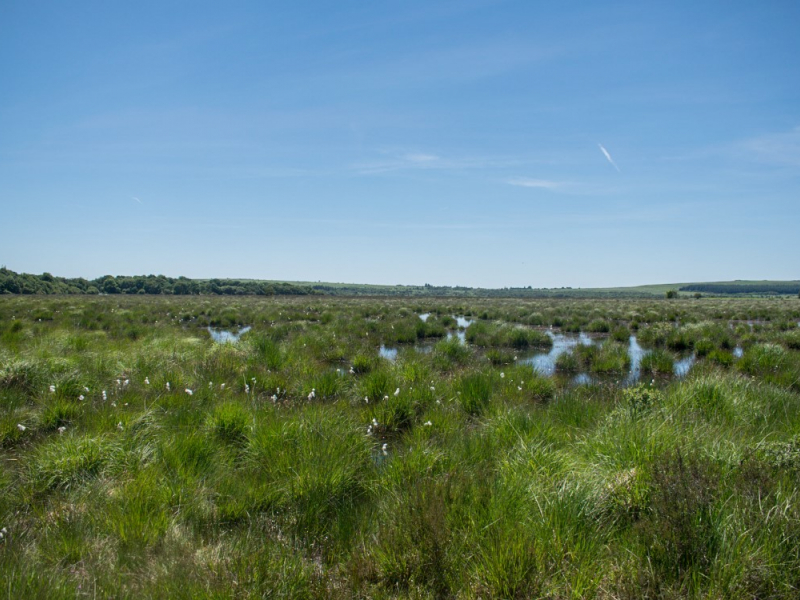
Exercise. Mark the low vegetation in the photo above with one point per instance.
(143, 460)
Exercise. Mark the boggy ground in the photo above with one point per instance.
(141, 459)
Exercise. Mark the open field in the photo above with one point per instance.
(348, 448)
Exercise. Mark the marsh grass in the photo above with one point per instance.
(462, 475)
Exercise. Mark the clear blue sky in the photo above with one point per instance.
(447, 142)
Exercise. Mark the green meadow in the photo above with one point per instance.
(348, 448)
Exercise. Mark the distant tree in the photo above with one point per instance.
(110, 286)
(672, 294)
(698, 295)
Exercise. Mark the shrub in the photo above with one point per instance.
(640, 398)
(679, 532)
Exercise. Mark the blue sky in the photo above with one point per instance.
(443, 142)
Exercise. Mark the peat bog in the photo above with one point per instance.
(318, 447)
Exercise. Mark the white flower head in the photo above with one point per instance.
(21, 427)
(147, 381)
(81, 397)
(105, 396)
(62, 429)
(397, 392)
(385, 449)
(188, 391)
(428, 423)
(168, 386)
(52, 389)
(502, 375)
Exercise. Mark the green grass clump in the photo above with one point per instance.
(229, 423)
(657, 362)
(69, 460)
(474, 392)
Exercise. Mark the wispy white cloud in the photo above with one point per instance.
(421, 158)
(135, 198)
(545, 184)
(399, 161)
(782, 148)
(608, 156)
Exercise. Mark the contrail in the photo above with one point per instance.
(608, 156)
(139, 201)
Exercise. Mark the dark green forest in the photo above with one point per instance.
(24, 283)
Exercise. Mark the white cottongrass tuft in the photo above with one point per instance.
(52, 389)
(188, 391)
(385, 449)
(397, 392)
(21, 427)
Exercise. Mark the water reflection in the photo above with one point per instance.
(461, 335)
(545, 363)
(424, 316)
(225, 336)
(682, 366)
(636, 354)
(738, 352)
(388, 353)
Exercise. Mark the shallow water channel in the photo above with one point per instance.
(544, 362)
(226, 336)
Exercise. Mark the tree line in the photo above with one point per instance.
(26, 283)
(736, 287)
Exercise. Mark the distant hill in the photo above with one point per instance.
(24, 283)
(745, 287)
